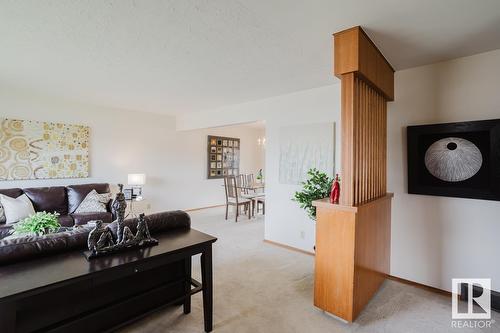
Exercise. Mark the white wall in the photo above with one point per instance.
(190, 158)
(285, 222)
(435, 239)
(125, 142)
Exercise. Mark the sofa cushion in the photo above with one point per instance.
(10, 192)
(5, 230)
(94, 203)
(48, 199)
(2, 215)
(16, 209)
(66, 220)
(84, 218)
(76, 194)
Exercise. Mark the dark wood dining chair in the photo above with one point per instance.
(250, 181)
(261, 201)
(244, 183)
(241, 183)
(233, 198)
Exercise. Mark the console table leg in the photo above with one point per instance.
(187, 285)
(7, 318)
(206, 275)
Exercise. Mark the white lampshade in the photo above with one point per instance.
(136, 179)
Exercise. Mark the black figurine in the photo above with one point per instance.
(118, 207)
(128, 235)
(142, 229)
(99, 237)
(100, 241)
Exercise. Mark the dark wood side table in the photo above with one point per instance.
(67, 293)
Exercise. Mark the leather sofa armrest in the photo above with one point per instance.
(26, 247)
(159, 222)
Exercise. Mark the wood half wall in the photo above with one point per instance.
(353, 238)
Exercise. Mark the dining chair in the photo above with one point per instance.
(238, 180)
(261, 201)
(243, 183)
(248, 191)
(233, 198)
(250, 179)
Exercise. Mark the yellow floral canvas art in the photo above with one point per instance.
(40, 150)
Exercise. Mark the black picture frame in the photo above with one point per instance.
(136, 192)
(226, 156)
(484, 184)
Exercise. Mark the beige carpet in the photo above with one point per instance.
(259, 287)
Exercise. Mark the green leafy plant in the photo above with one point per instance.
(39, 224)
(317, 186)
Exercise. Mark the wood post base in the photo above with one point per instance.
(353, 246)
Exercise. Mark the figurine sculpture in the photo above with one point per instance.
(335, 193)
(128, 235)
(99, 237)
(142, 229)
(118, 208)
(101, 242)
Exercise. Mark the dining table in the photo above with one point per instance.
(255, 186)
(252, 187)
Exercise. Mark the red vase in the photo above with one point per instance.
(335, 193)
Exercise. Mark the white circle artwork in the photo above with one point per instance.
(453, 159)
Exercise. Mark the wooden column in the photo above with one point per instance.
(353, 238)
(367, 81)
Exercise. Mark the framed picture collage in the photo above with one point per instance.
(223, 157)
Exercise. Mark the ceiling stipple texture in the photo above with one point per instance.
(180, 56)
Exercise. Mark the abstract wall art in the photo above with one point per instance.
(223, 157)
(304, 147)
(455, 159)
(41, 150)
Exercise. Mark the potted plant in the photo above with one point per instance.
(38, 224)
(317, 186)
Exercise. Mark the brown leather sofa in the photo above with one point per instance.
(63, 200)
(28, 247)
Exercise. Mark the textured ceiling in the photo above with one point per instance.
(180, 56)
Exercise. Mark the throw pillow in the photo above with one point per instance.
(16, 209)
(2, 215)
(94, 203)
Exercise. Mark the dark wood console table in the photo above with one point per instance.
(67, 293)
